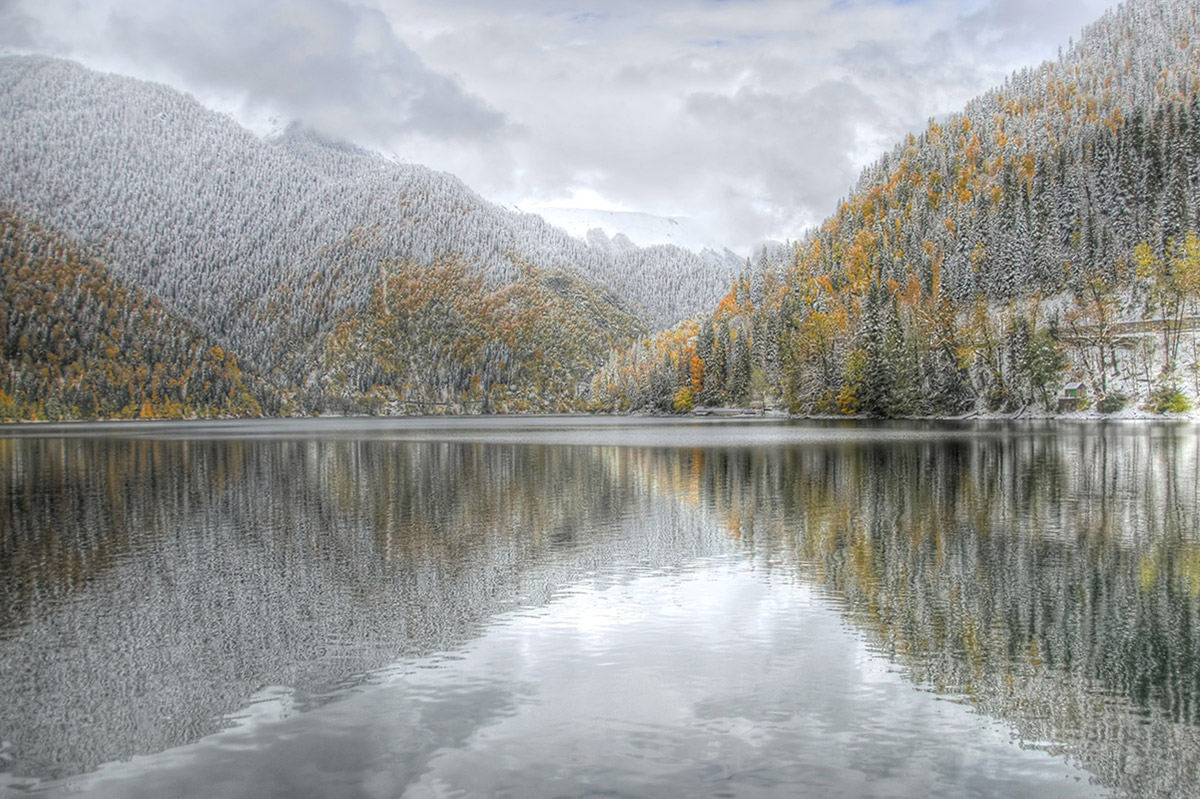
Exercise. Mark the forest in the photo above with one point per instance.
(1036, 252)
(1044, 238)
(79, 345)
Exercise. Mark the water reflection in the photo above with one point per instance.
(617, 690)
(1050, 579)
(150, 587)
(154, 589)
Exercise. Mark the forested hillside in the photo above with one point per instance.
(1001, 254)
(1043, 238)
(440, 338)
(78, 343)
(270, 246)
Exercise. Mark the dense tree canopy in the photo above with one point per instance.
(989, 260)
(78, 343)
(1045, 237)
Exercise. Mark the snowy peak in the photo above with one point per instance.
(638, 229)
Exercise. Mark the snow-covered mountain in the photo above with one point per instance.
(267, 243)
(640, 229)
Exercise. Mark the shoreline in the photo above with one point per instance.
(714, 415)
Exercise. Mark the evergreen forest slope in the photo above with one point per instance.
(272, 247)
(79, 343)
(1043, 237)
(1038, 250)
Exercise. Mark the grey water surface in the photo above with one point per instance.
(570, 606)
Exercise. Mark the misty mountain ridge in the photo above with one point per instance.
(978, 266)
(265, 242)
(624, 229)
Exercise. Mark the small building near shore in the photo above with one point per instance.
(1073, 398)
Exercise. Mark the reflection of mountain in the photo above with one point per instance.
(1052, 581)
(149, 588)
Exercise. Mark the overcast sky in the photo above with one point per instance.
(752, 116)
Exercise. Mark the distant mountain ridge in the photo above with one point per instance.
(605, 228)
(267, 245)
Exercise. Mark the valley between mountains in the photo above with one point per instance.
(1037, 252)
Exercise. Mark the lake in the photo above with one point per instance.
(573, 607)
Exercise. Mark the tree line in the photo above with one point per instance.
(984, 264)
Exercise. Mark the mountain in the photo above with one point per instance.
(1067, 166)
(78, 342)
(1048, 236)
(270, 246)
(988, 261)
(631, 228)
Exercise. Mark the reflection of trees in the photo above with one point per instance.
(150, 587)
(147, 588)
(1052, 580)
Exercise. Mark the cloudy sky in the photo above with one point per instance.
(750, 116)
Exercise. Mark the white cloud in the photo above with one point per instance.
(751, 115)
(331, 64)
(15, 26)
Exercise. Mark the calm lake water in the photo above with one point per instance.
(599, 607)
